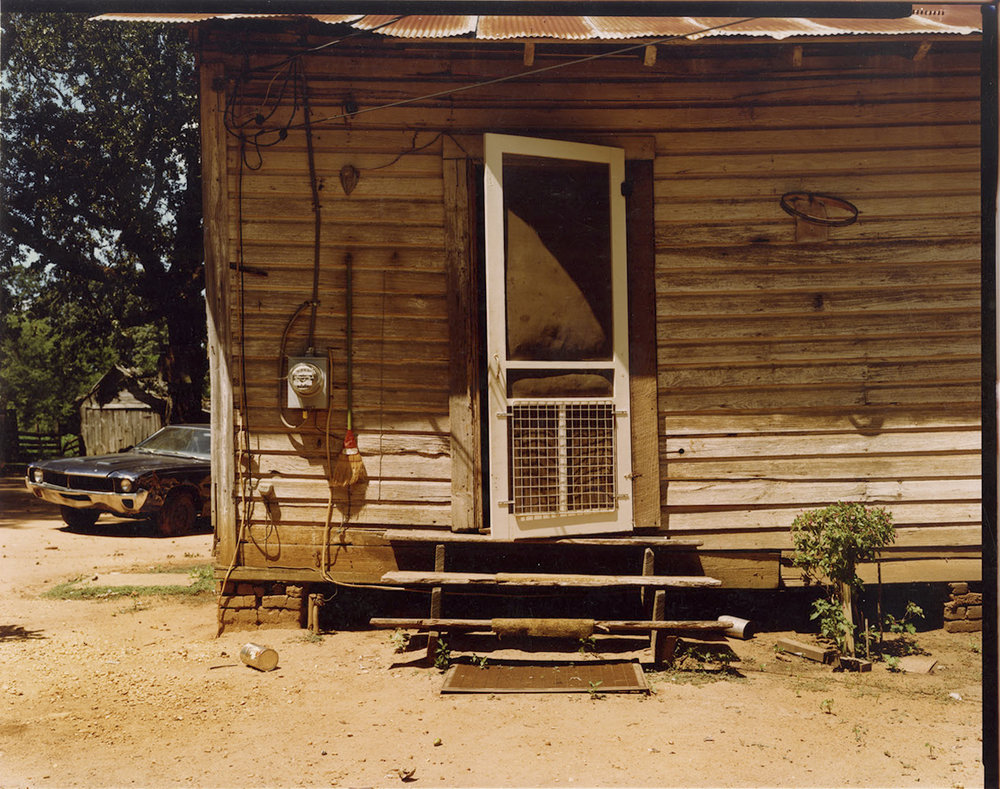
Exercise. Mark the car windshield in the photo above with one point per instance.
(188, 441)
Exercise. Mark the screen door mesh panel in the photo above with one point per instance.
(562, 457)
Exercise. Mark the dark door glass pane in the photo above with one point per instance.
(558, 259)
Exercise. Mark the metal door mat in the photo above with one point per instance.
(616, 676)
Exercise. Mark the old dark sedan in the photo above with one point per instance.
(166, 478)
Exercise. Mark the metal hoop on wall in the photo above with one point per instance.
(791, 202)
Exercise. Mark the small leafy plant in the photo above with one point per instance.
(830, 543)
(904, 625)
(593, 692)
(400, 640)
(442, 655)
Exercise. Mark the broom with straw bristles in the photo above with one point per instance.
(349, 468)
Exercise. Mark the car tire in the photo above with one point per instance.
(177, 515)
(78, 519)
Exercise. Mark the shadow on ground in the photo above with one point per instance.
(18, 633)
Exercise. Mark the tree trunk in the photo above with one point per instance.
(847, 604)
(184, 364)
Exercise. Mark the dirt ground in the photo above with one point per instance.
(140, 692)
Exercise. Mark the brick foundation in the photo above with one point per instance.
(963, 613)
(259, 605)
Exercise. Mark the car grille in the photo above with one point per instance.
(79, 481)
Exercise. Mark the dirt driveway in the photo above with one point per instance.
(138, 691)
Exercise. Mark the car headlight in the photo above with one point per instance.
(126, 485)
(37, 474)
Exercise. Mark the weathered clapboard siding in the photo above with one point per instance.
(794, 375)
(392, 226)
(789, 375)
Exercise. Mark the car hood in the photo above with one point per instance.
(132, 463)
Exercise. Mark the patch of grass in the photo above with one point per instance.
(203, 581)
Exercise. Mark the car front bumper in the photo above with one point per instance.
(117, 503)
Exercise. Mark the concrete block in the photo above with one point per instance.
(244, 588)
(274, 601)
(974, 612)
(243, 619)
(848, 663)
(952, 611)
(276, 617)
(959, 588)
(238, 602)
(964, 626)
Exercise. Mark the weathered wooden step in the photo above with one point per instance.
(548, 627)
(634, 540)
(419, 578)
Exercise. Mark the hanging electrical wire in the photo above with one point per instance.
(531, 72)
(276, 134)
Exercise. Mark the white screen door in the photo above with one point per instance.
(557, 338)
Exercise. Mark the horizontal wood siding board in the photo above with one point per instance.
(817, 421)
(848, 468)
(927, 539)
(945, 134)
(790, 374)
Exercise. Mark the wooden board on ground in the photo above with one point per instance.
(917, 664)
(809, 651)
(591, 677)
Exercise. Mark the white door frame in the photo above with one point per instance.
(504, 524)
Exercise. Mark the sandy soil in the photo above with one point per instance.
(141, 692)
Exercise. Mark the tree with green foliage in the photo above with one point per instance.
(830, 543)
(101, 246)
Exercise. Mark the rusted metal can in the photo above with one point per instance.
(259, 657)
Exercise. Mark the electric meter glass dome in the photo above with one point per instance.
(306, 379)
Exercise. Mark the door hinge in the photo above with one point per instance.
(626, 188)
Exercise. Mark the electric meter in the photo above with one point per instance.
(307, 382)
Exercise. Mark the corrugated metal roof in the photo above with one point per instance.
(928, 19)
(419, 26)
(565, 28)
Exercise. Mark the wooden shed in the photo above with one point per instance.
(119, 412)
(655, 281)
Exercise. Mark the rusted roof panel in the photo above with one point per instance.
(628, 27)
(182, 19)
(565, 28)
(428, 26)
(927, 19)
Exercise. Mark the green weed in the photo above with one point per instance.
(203, 581)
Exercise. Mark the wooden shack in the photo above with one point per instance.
(119, 412)
(654, 281)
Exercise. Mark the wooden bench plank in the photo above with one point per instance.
(638, 541)
(613, 626)
(418, 578)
